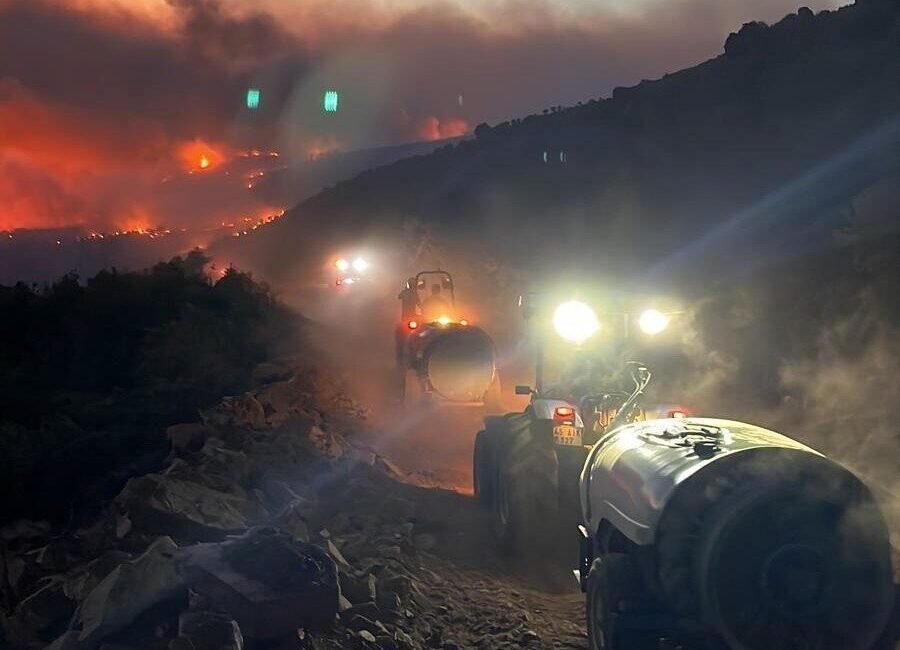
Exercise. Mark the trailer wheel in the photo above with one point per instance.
(611, 583)
(525, 499)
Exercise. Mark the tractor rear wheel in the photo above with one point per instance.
(483, 473)
(525, 499)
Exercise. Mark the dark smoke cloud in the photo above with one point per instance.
(145, 77)
(124, 69)
(212, 33)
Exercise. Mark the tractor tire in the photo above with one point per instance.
(612, 583)
(483, 473)
(525, 499)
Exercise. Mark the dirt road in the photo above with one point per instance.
(464, 592)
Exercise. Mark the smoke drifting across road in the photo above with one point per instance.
(814, 356)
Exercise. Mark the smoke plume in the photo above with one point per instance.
(99, 98)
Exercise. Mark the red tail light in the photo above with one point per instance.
(678, 414)
(412, 324)
(564, 413)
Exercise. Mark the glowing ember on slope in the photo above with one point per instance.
(150, 233)
(252, 223)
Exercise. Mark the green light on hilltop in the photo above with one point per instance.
(253, 98)
(330, 101)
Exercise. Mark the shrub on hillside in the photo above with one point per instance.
(118, 356)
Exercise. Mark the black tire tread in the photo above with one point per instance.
(528, 464)
(482, 478)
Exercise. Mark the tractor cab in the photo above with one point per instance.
(436, 297)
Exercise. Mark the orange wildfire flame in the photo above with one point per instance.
(199, 155)
(438, 129)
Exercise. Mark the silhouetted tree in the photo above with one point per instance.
(123, 353)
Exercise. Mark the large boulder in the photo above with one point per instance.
(183, 509)
(40, 617)
(80, 582)
(129, 590)
(271, 584)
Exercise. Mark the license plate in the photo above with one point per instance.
(566, 434)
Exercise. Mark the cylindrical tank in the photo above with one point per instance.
(457, 362)
(759, 537)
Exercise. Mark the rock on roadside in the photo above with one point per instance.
(268, 582)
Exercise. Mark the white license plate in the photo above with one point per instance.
(566, 434)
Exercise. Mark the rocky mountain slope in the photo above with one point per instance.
(269, 528)
(762, 151)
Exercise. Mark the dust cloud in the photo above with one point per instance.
(821, 369)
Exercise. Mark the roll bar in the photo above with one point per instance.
(445, 278)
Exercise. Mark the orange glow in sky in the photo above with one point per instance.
(436, 129)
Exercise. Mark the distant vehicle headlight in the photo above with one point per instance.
(360, 265)
(575, 321)
(444, 320)
(653, 322)
(342, 265)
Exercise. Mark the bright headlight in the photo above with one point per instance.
(575, 321)
(359, 264)
(342, 265)
(653, 321)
